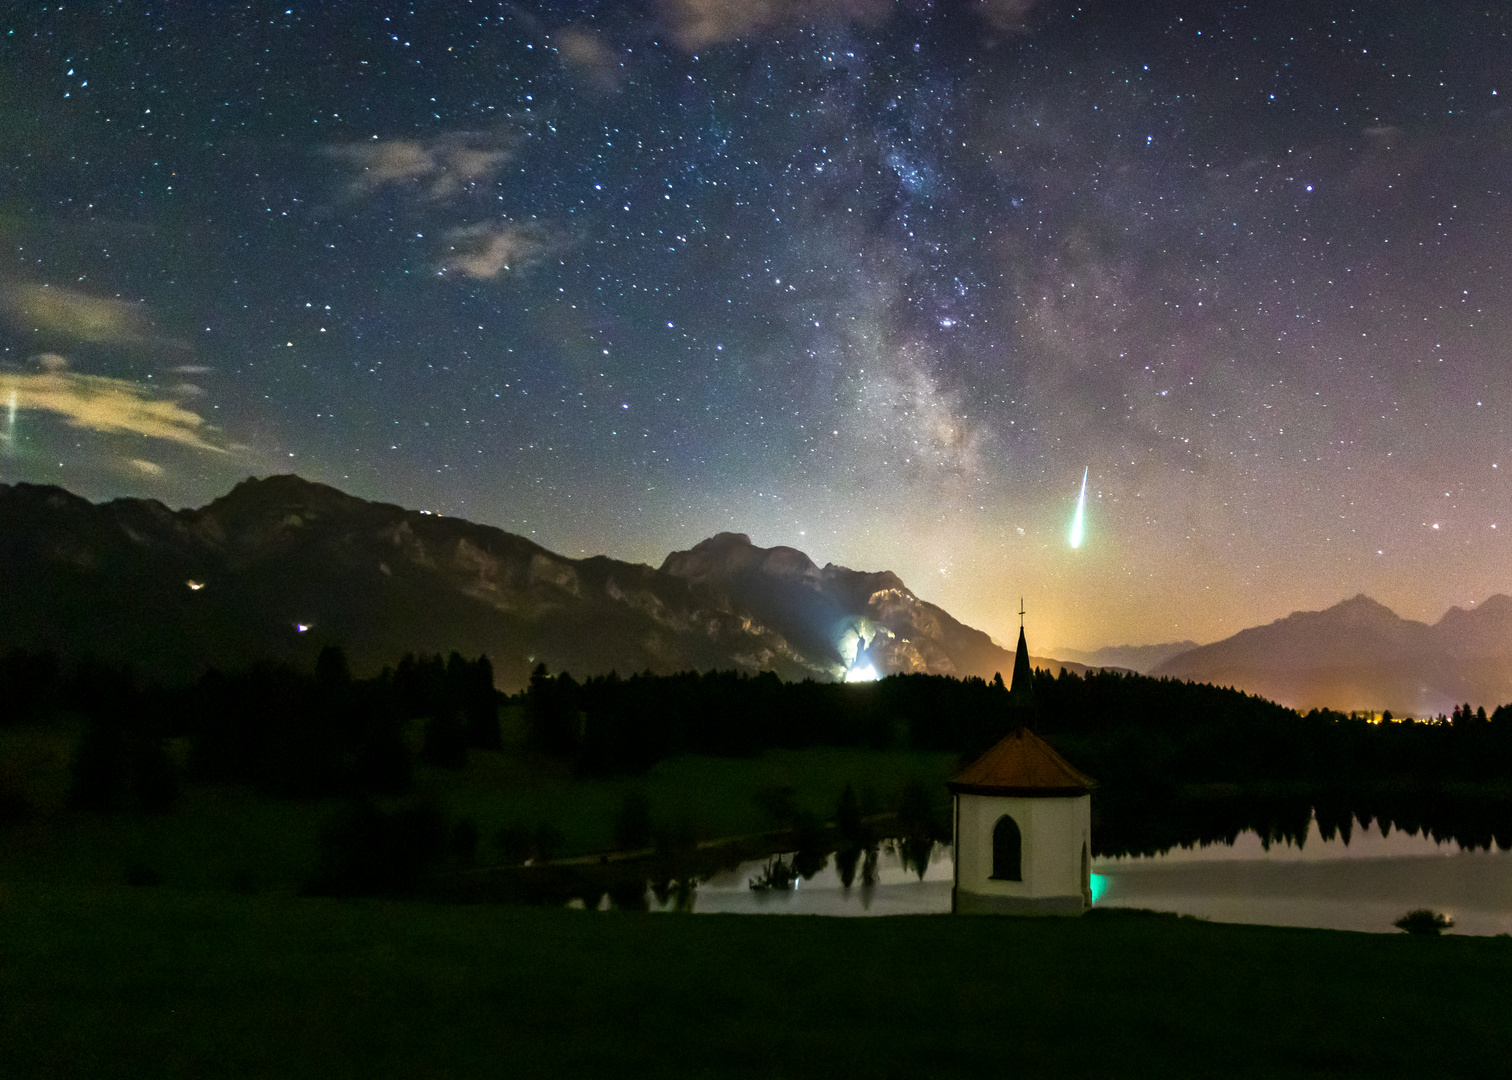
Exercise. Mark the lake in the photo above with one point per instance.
(1365, 884)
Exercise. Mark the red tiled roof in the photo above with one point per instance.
(1021, 764)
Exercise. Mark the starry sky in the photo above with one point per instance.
(877, 279)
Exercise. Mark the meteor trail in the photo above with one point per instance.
(1081, 507)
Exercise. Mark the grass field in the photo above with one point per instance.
(156, 982)
(224, 970)
(225, 836)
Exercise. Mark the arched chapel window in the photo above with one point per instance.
(1007, 850)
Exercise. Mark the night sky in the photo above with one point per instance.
(873, 279)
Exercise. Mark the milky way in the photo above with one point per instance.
(870, 279)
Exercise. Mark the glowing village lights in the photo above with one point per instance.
(300, 627)
(194, 586)
(1081, 509)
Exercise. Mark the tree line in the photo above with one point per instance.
(287, 732)
(298, 733)
(1126, 730)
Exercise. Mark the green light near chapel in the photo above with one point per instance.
(1098, 886)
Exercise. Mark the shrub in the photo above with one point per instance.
(367, 851)
(1424, 921)
(632, 828)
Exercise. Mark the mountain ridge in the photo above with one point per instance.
(1141, 658)
(278, 566)
(1359, 654)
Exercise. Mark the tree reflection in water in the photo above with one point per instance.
(1151, 824)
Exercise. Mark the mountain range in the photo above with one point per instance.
(1360, 654)
(280, 566)
(1141, 658)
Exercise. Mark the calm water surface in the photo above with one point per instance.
(1363, 885)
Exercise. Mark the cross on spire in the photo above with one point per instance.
(1021, 613)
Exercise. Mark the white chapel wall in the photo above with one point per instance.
(1053, 832)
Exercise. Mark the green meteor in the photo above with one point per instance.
(1081, 509)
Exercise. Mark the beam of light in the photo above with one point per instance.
(10, 419)
(1081, 509)
(864, 673)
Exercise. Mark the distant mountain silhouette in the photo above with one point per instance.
(113, 580)
(1359, 654)
(1141, 658)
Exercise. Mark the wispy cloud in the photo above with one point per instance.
(103, 404)
(436, 169)
(1008, 15)
(76, 316)
(697, 24)
(588, 56)
(489, 250)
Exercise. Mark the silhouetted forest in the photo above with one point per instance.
(290, 733)
(1126, 730)
(1176, 762)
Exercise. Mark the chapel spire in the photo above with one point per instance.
(1022, 687)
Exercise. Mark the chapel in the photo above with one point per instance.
(1023, 823)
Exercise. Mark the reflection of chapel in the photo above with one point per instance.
(1023, 824)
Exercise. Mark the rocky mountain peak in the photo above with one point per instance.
(728, 554)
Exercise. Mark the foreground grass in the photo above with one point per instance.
(705, 796)
(225, 837)
(154, 982)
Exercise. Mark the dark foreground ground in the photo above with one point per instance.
(153, 982)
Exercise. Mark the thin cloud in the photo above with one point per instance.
(102, 404)
(585, 54)
(146, 468)
(696, 24)
(490, 250)
(436, 169)
(1010, 16)
(76, 316)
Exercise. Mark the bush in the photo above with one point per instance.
(367, 851)
(1424, 921)
(632, 828)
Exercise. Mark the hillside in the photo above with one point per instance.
(280, 566)
(1359, 654)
